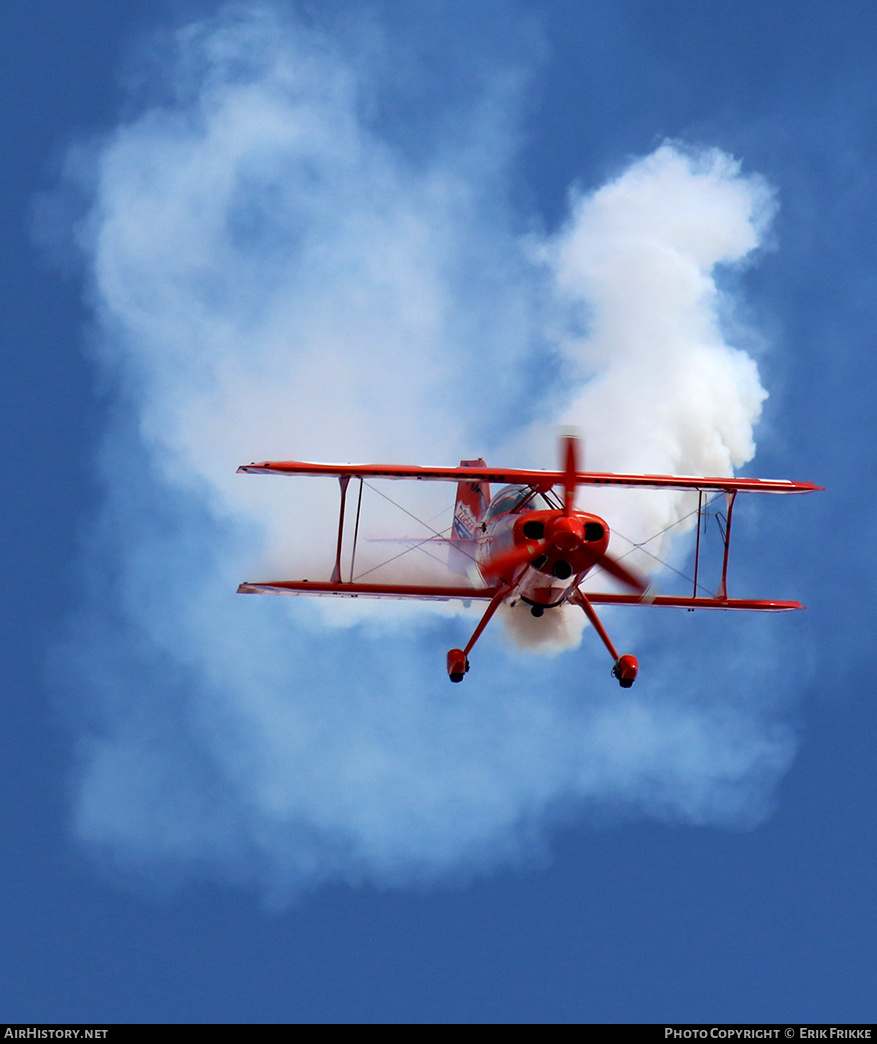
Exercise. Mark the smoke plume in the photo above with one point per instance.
(273, 276)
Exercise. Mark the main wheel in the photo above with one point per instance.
(625, 670)
(457, 665)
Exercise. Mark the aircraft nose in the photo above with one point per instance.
(567, 534)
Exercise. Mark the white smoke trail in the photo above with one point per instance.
(273, 279)
(667, 393)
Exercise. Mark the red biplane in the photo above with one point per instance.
(523, 551)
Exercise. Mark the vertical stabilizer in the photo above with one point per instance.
(469, 511)
(472, 501)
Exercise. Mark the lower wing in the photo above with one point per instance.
(438, 593)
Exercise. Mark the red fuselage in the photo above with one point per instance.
(564, 548)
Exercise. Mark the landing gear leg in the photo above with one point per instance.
(625, 667)
(458, 659)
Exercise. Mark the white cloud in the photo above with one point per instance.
(273, 279)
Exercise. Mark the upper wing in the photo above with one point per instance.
(539, 480)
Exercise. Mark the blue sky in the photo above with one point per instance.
(166, 857)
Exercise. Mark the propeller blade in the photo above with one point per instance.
(616, 569)
(507, 562)
(570, 470)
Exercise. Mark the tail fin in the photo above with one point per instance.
(469, 512)
(471, 506)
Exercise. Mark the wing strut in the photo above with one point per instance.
(697, 545)
(356, 529)
(723, 586)
(343, 481)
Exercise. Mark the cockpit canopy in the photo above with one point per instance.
(509, 498)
